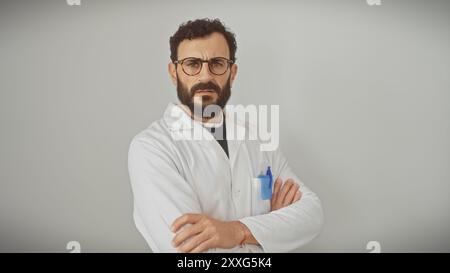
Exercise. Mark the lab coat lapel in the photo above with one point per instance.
(179, 122)
(234, 144)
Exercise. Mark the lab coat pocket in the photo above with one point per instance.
(259, 205)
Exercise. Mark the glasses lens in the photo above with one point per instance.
(192, 66)
(218, 66)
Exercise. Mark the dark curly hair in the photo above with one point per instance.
(201, 28)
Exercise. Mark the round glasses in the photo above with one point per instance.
(192, 66)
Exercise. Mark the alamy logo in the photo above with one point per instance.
(74, 247)
(373, 2)
(249, 122)
(374, 247)
(73, 2)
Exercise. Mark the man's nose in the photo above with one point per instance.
(205, 75)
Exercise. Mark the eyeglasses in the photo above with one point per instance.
(192, 66)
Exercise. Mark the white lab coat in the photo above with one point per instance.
(172, 177)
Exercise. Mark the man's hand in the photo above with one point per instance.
(205, 233)
(198, 232)
(288, 194)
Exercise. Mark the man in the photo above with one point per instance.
(200, 195)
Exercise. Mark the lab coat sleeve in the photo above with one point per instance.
(161, 194)
(291, 227)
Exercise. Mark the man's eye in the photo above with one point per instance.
(192, 64)
(218, 63)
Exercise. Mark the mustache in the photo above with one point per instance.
(205, 85)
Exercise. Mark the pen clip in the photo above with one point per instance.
(269, 173)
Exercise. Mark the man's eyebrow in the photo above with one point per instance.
(182, 58)
(202, 58)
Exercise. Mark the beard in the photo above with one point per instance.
(187, 96)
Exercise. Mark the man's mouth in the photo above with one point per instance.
(205, 91)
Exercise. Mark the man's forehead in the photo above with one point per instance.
(213, 45)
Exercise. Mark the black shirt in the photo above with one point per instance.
(220, 134)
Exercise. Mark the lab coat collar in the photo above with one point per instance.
(178, 121)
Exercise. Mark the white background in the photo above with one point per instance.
(364, 113)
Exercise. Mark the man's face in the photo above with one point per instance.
(204, 87)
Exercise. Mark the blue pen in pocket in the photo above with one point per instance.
(266, 182)
(269, 173)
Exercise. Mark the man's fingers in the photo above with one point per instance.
(188, 218)
(277, 186)
(193, 242)
(205, 245)
(297, 196)
(283, 191)
(276, 190)
(185, 234)
(290, 195)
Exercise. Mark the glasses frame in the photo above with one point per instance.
(229, 63)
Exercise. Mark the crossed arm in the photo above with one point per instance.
(294, 220)
(199, 232)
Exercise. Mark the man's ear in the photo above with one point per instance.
(234, 69)
(172, 69)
